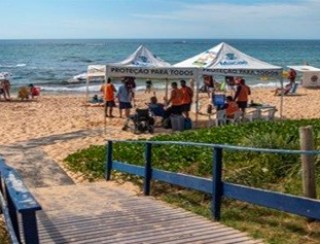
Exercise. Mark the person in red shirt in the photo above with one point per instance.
(108, 91)
(186, 99)
(292, 75)
(34, 91)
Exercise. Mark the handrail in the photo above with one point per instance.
(215, 186)
(18, 199)
(226, 146)
(7, 221)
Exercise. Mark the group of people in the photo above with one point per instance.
(178, 103)
(23, 92)
(124, 94)
(238, 102)
(27, 92)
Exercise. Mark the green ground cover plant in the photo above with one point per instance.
(280, 172)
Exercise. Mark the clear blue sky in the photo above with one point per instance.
(272, 19)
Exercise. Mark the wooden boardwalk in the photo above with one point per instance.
(97, 213)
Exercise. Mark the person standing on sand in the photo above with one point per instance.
(186, 98)
(148, 86)
(5, 89)
(124, 96)
(292, 76)
(108, 91)
(242, 95)
(175, 101)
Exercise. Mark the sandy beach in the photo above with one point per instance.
(63, 124)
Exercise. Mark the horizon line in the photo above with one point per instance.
(154, 38)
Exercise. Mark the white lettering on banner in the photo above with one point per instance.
(245, 72)
(178, 72)
(159, 71)
(151, 72)
(135, 71)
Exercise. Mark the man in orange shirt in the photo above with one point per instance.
(108, 91)
(186, 99)
(242, 95)
(175, 101)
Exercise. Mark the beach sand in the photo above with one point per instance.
(62, 124)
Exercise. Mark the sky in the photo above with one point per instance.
(212, 19)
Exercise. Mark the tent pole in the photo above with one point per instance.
(105, 103)
(87, 100)
(281, 97)
(197, 79)
(167, 87)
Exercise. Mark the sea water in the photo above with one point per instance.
(51, 64)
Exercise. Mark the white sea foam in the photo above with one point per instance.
(12, 66)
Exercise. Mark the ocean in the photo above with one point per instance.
(51, 64)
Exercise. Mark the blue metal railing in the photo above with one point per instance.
(216, 187)
(16, 199)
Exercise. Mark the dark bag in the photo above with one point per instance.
(187, 124)
(166, 123)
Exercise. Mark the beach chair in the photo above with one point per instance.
(237, 118)
(268, 114)
(293, 90)
(221, 118)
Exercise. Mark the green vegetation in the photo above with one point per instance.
(279, 172)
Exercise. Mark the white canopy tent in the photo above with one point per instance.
(141, 64)
(226, 60)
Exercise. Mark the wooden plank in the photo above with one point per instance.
(95, 217)
(146, 231)
(170, 235)
(45, 232)
(214, 238)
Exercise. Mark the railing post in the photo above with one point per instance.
(13, 215)
(216, 183)
(147, 169)
(109, 160)
(30, 229)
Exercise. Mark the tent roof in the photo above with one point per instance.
(96, 71)
(143, 57)
(144, 64)
(226, 59)
(303, 68)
